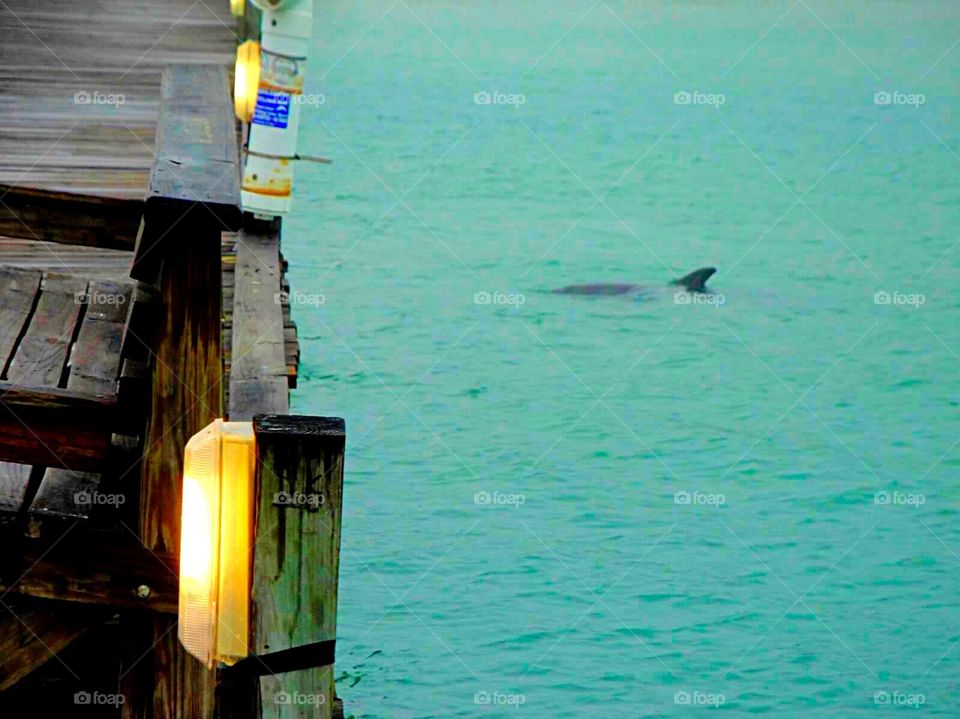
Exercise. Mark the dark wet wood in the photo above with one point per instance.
(133, 390)
(141, 328)
(30, 637)
(96, 572)
(55, 427)
(68, 218)
(187, 386)
(187, 383)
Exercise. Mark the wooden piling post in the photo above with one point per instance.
(194, 195)
(186, 396)
(296, 557)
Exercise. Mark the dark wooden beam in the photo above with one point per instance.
(55, 427)
(68, 218)
(197, 160)
(95, 572)
(195, 179)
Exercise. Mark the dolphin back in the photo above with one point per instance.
(597, 289)
(696, 281)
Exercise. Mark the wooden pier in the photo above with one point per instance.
(137, 305)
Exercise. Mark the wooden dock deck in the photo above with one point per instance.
(80, 87)
(79, 107)
(134, 308)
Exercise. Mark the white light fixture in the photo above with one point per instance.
(215, 542)
(286, 28)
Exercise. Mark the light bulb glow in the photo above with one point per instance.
(215, 542)
(246, 79)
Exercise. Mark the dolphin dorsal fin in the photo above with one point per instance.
(696, 281)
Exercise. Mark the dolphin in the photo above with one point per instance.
(696, 281)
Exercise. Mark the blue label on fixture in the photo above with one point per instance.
(272, 109)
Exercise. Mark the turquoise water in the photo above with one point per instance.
(586, 587)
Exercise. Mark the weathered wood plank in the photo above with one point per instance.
(80, 100)
(296, 551)
(14, 480)
(52, 140)
(94, 369)
(96, 572)
(95, 359)
(29, 638)
(69, 218)
(65, 259)
(42, 353)
(268, 394)
(18, 288)
(196, 157)
(39, 362)
(251, 388)
(66, 407)
(258, 366)
(195, 178)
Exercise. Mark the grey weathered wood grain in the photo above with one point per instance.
(18, 288)
(296, 552)
(94, 370)
(258, 367)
